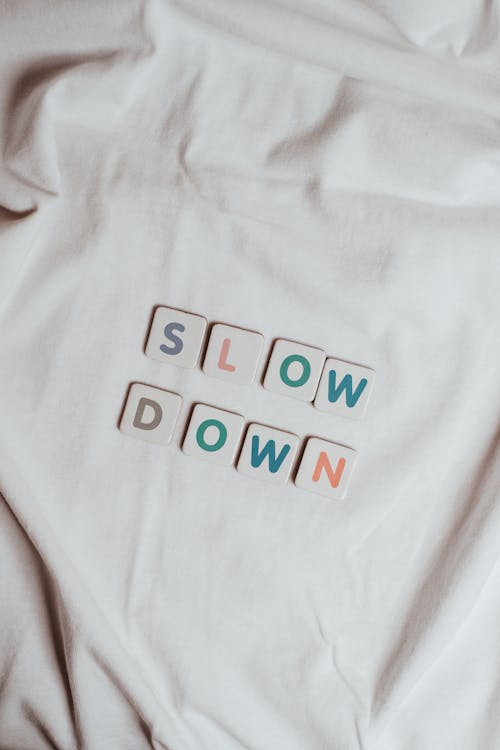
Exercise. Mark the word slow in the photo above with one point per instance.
(233, 354)
(215, 435)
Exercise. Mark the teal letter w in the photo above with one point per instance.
(351, 398)
(268, 450)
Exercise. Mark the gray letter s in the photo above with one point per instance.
(178, 343)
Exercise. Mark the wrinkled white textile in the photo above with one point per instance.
(324, 171)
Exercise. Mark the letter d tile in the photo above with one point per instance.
(150, 413)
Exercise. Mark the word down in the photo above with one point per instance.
(233, 354)
(215, 435)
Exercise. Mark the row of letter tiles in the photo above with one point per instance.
(233, 354)
(214, 435)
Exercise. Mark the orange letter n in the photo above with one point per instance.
(323, 462)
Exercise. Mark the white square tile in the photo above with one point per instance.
(325, 468)
(344, 388)
(213, 434)
(150, 413)
(233, 354)
(176, 337)
(268, 453)
(294, 369)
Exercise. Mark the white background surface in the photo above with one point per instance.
(321, 171)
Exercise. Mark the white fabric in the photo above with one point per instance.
(325, 171)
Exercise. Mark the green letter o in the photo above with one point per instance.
(200, 435)
(285, 365)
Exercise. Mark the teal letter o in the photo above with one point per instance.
(200, 435)
(306, 370)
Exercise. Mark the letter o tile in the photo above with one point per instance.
(213, 434)
(294, 369)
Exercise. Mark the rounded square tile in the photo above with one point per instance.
(325, 468)
(150, 413)
(176, 337)
(344, 388)
(233, 354)
(294, 369)
(213, 434)
(268, 453)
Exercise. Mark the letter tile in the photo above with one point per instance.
(268, 453)
(176, 337)
(213, 434)
(325, 468)
(344, 388)
(294, 369)
(233, 354)
(150, 413)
